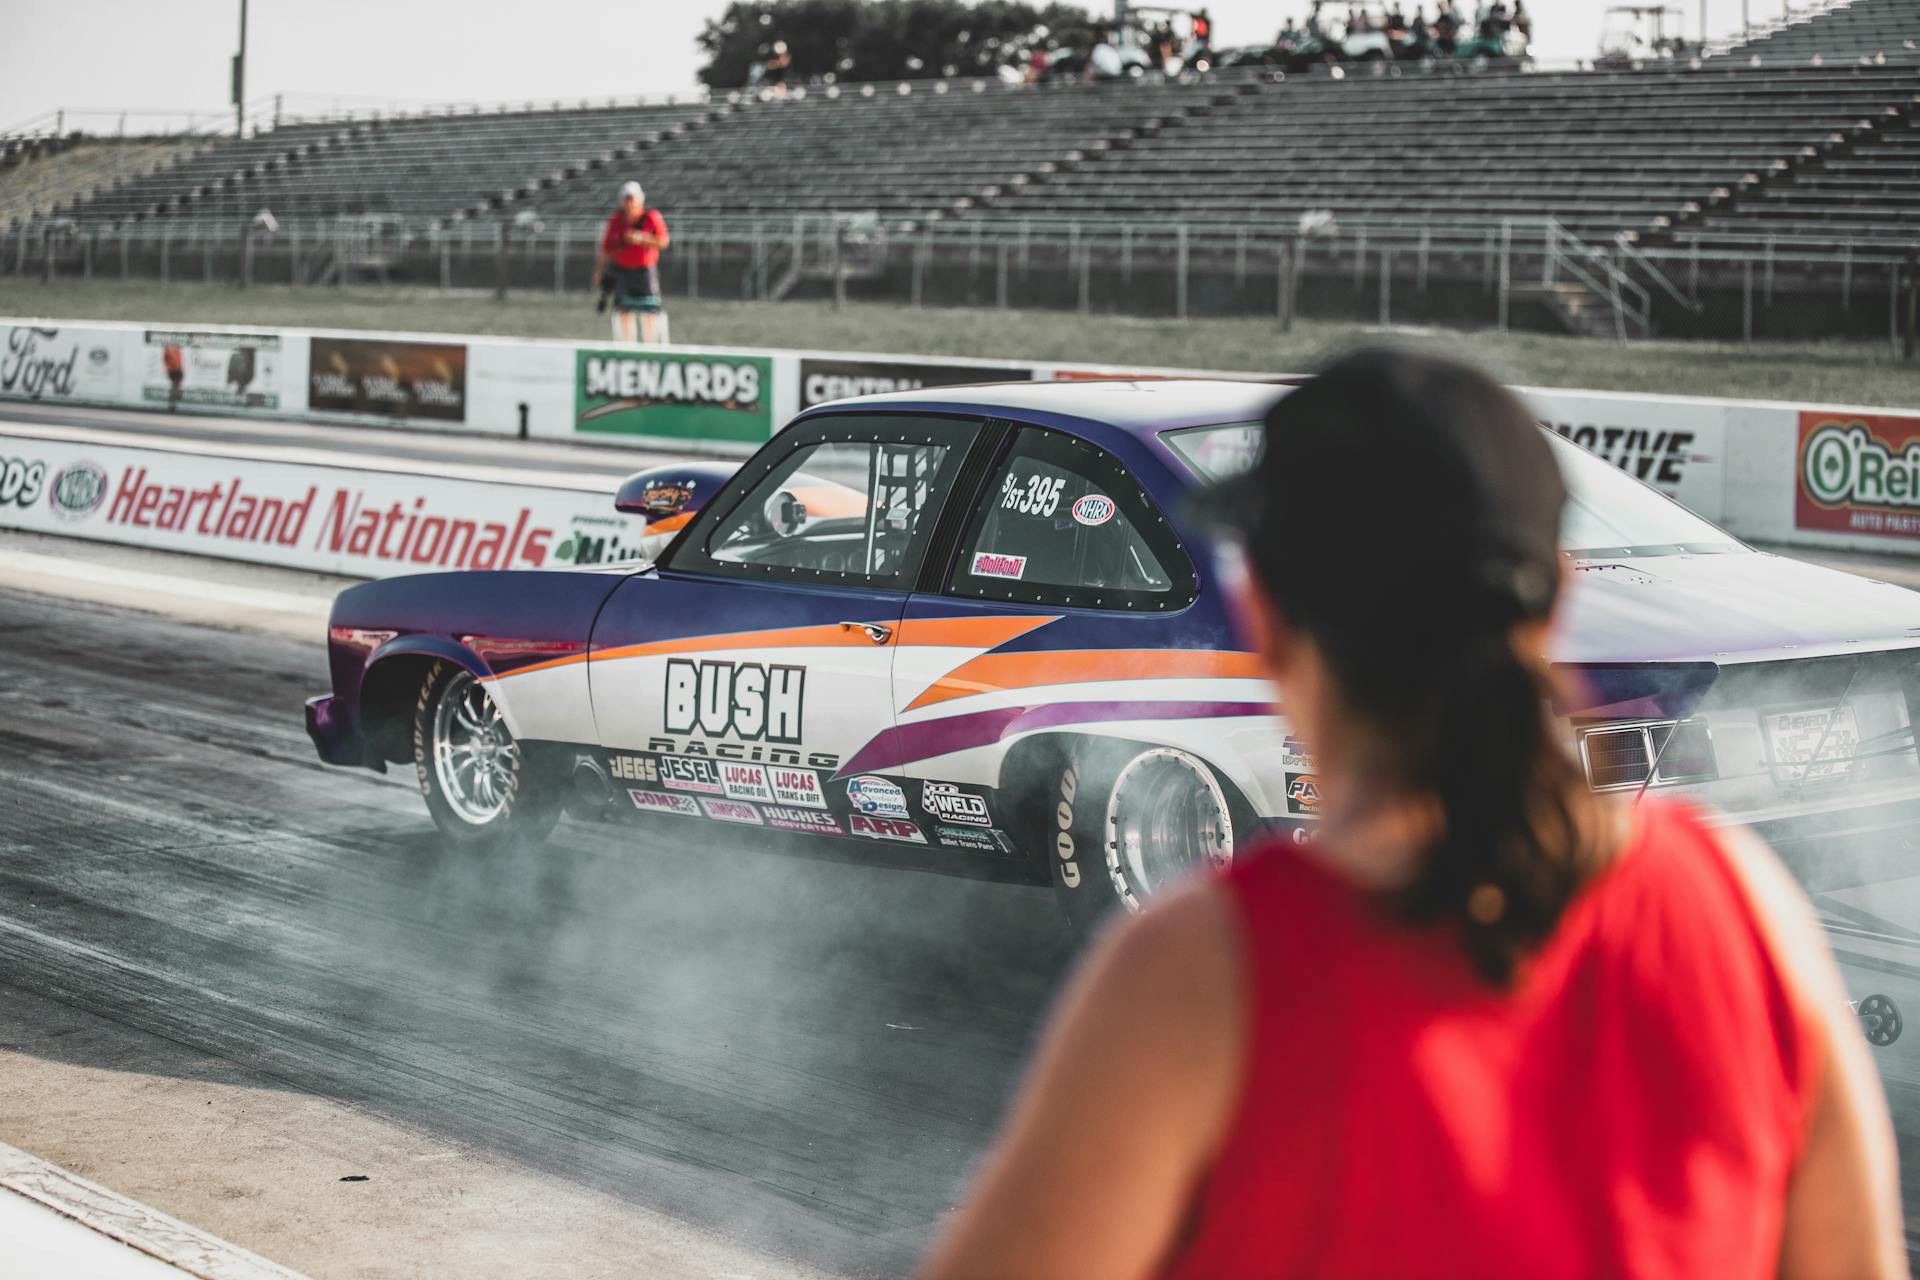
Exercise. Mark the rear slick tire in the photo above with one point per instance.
(480, 788)
(1126, 821)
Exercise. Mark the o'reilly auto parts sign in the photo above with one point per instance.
(674, 395)
(1858, 473)
(824, 380)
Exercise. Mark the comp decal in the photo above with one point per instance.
(748, 700)
(661, 802)
(885, 829)
(946, 802)
(877, 797)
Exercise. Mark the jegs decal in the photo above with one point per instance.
(747, 700)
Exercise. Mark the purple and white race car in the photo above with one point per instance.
(967, 630)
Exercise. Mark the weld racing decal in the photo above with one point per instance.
(661, 802)
(885, 829)
(720, 699)
(948, 803)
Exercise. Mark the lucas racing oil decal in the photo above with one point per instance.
(719, 699)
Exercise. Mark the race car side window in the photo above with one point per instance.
(852, 500)
(1063, 523)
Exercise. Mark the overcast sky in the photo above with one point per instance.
(172, 56)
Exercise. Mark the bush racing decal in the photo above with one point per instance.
(720, 699)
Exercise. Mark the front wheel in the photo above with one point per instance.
(1126, 822)
(480, 788)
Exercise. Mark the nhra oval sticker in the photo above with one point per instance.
(1094, 509)
(78, 489)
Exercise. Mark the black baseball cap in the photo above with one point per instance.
(1398, 487)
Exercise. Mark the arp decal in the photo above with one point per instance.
(886, 829)
(1303, 793)
(788, 818)
(732, 811)
(877, 797)
(948, 803)
(690, 773)
(991, 564)
(720, 699)
(796, 786)
(745, 781)
(633, 768)
(661, 802)
(1092, 510)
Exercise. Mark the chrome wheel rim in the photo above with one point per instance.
(474, 757)
(1167, 816)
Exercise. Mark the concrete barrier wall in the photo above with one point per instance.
(1797, 474)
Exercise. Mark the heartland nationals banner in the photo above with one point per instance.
(333, 519)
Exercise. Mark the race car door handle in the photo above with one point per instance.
(875, 632)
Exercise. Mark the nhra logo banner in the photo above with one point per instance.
(1858, 473)
(824, 380)
(674, 396)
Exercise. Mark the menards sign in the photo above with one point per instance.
(334, 519)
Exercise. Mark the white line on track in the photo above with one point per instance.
(155, 1234)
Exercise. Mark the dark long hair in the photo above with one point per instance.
(1469, 726)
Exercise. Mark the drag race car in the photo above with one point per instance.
(970, 630)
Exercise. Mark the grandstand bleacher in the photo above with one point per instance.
(1799, 159)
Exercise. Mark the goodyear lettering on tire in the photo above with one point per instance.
(421, 753)
(1063, 837)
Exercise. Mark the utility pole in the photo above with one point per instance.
(240, 77)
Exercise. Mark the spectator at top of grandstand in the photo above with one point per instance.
(1103, 63)
(1522, 20)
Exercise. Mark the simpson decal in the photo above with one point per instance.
(812, 821)
(735, 699)
(1094, 509)
(989, 564)
(732, 811)
(745, 781)
(682, 773)
(948, 803)
(1303, 793)
(877, 797)
(661, 802)
(796, 786)
(886, 829)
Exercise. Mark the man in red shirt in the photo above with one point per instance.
(630, 249)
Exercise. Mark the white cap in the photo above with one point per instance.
(631, 189)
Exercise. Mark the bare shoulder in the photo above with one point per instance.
(1788, 920)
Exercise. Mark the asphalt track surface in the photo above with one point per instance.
(800, 1055)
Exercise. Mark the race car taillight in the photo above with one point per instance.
(1628, 755)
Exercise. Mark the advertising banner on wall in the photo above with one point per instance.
(388, 378)
(1858, 473)
(1677, 446)
(192, 367)
(822, 380)
(674, 395)
(51, 362)
(333, 519)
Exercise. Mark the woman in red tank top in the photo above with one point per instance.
(1490, 1024)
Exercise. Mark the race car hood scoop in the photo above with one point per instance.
(1735, 607)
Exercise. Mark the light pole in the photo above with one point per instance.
(240, 77)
